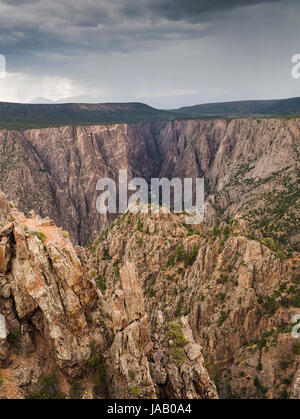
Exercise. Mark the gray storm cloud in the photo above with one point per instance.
(39, 25)
(188, 50)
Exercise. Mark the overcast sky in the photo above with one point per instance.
(167, 53)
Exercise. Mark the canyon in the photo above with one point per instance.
(246, 164)
(151, 307)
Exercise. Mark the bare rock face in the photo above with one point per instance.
(247, 164)
(129, 367)
(46, 276)
(218, 295)
(153, 308)
(57, 326)
(45, 297)
(140, 357)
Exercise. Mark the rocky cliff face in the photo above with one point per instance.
(59, 337)
(251, 167)
(152, 307)
(236, 294)
(45, 297)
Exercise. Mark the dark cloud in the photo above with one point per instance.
(190, 10)
(91, 25)
(133, 48)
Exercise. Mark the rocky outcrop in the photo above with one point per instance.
(46, 277)
(151, 356)
(56, 326)
(46, 296)
(152, 309)
(218, 293)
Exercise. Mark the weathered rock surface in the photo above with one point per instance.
(59, 336)
(140, 353)
(232, 297)
(251, 167)
(153, 308)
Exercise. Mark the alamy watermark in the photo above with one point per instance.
(2, 66)
(296, 67)
(160, 193)
(296, 328)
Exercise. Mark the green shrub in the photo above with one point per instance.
(14, 338)
(222, 318)
(226, 231)
(216, 231)
(296, 348)
(171, 261)
(179, 253)
(280, 254)
(259, 366)
(140, 226)
(76, 390)
(100, 379)
(132, 374)
(175, 334)
(100, 281)
(287, 382)
(283, 395)
(189, 258)
(136, 391)
(284, 365)
(259, 387)
(178, 308)
(47, 388)
(40, 235)
(117, 272)
(269, 242)
(271, 305)
(178, 355)
(295, 300)
(93, 360)
(151, 293)
(285, 302)
(106, 255)
(261, 343)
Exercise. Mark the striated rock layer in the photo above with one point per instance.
(251, 167)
